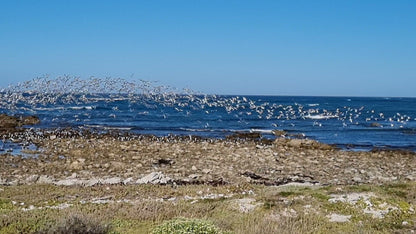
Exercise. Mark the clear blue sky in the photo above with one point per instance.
(334, 47)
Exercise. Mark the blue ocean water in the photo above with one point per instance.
(355, 123)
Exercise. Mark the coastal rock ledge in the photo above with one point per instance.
(92, 159)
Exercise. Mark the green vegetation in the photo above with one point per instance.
(183, 226)
(77, 224)
(147, 209)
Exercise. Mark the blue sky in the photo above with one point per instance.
(341, 48)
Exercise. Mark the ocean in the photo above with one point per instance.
(351, 123)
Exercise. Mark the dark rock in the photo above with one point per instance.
(266, 141)
(253, 176)
(215, 182)
(163, 161)
(303, 143)
(244, 136)
(376, 125)
(10, 123)
(30, 120)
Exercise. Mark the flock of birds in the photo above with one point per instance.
(61, 92)
(42, 92)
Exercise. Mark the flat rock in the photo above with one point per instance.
(113, 180)
(128, 181)
(339, 218)
(154, 178)
(69, 182)
(92, 182)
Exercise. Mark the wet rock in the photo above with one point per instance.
(375, 125)
(303, 143)
(244, 136)
(11, 122)
(154, 178)
(30, 120)
(8, 121)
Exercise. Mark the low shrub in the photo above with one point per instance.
(76, 224)
(185, 226)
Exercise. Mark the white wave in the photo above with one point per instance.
(97, 126)
(196, 130)
(264, 131)
(48, 108)
(320, 116)
(93, 126)
(81, 107)
(117, 128)
(313, 104)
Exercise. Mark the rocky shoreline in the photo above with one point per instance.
(76, 157)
